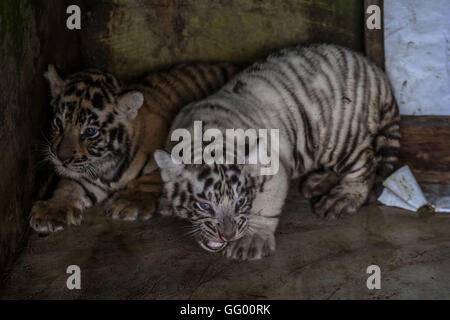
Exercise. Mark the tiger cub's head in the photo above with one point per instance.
(216, 199)
(92, 123)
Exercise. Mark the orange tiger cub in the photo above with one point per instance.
(103, 137)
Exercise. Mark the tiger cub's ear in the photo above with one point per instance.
(56, 82)
(169, 169)
(130, 103)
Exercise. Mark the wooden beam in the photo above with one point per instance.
(425, 147)
(374, 38)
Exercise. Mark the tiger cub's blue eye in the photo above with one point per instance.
(204, 205)
(241, 202)
(90, 132)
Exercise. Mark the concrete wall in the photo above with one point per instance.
(417, 45)
(132, 37)
(32, 34)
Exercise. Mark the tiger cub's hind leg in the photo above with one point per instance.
(353, 188)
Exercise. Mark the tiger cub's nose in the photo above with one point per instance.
(66, 149)
(227, 235)
(65, 155)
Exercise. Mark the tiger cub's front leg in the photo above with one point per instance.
(65, 207)
(262, 221)
(138, 201)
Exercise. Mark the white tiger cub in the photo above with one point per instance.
(338, 126)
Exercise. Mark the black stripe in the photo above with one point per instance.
(312, 95)
(126, 161)
(205, 80)
(289, 115)
(389, 125)
(184, 84)
(388, 151)
(173, 88)
(204, 173)
(212, 70)
(346, 144)
(355, 160)
(300, 164)
(392, 137)
(147, 159)
(384, 170)
(352, 147)
(94, 153)
(224, 72)
(335, 123)
(176, 188)
(312, 70)
(230, 114)
(293, 95)
(89, 194)
(208, 183)
(95, 184)
(196, 81)
(157, 89)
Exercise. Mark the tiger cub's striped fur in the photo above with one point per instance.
(104, 135)
(338, 124)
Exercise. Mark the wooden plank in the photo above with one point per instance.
(426, 147)
(374, 38)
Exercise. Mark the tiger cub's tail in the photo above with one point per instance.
(387, 144)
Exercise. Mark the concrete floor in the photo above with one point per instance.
(314, 260)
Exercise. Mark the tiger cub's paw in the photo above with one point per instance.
(336, 204)
(318, 183)
(131, 205)
(250, 247)
(54, 215)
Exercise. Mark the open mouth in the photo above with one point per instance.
(213, 246)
